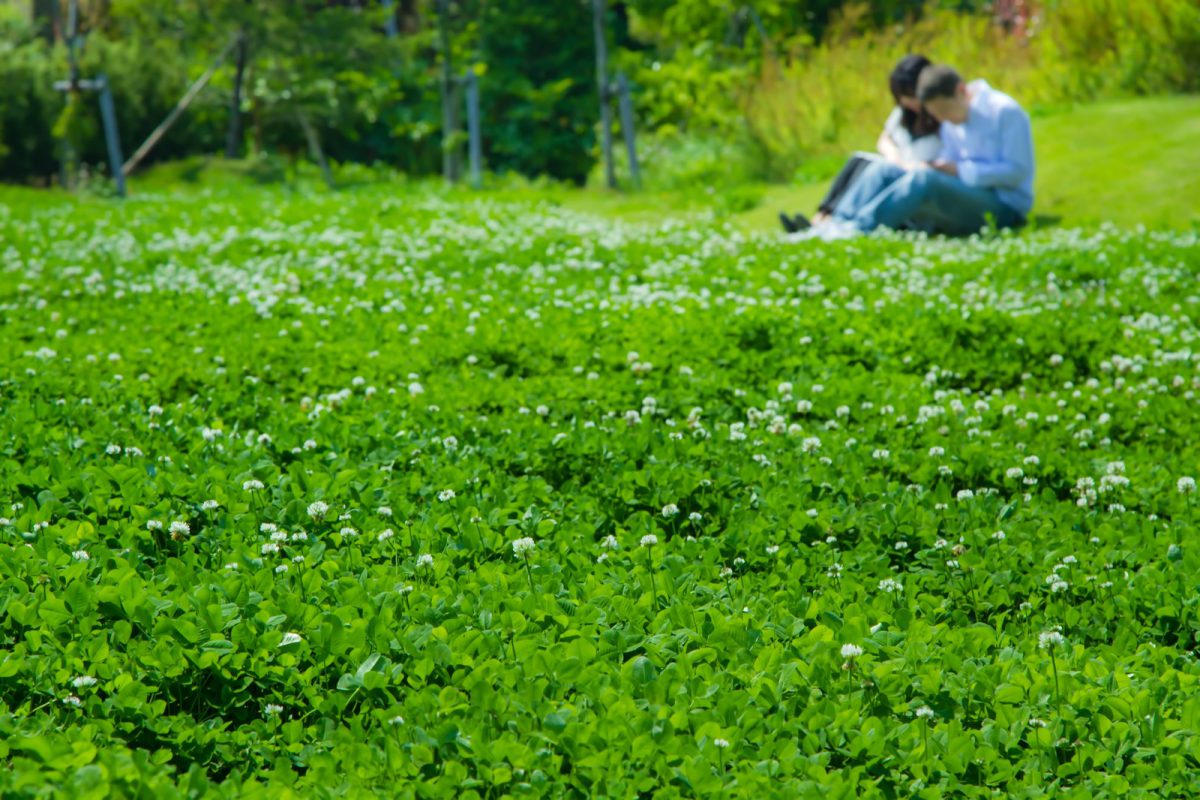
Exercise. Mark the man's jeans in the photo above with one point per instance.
(923, 199)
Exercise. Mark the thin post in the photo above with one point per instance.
(389, 25)
(475, 150)
(108, 113)
(626, 105)
(180, 107)
(449, 110)
(598, 11)
(233, 139)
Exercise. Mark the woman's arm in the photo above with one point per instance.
(888, 149)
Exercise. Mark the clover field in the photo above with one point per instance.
(376, 494)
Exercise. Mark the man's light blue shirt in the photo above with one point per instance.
(994, 147)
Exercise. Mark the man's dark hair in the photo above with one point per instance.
(936, 81)
(903, 83)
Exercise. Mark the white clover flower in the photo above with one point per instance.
(180, 528)
(209, 505)
(523, 545)
(83, 681)
(281, 569)
(851, 651)
(415, 389)
(310, 444)
(291, 638)
(425, 560)
(154, 525)
(272, 709)
(609, 542)
(1186, 485)
(1049, 639)
(965, 494)
(880, 454)
(1059, 586)
(772, 549)
(348, 532)
(269, 547)
(383, 535)
(318, 509)
(721, 743)
(1014, 473)
(279, 536)
(891, 585)
(113, 449)
(252, 485)
(446, 495)
(1034, 722)
(924, 712)
(803, 406)
(649, 540)
(232, 565)
(72, 700)
(396, 720)
(670, 510)
(999, 536)
(810, 444)
(211, 434)
(695, 516)
(900, 545)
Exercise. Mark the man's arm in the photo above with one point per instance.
(1015, 164)
(947, 160)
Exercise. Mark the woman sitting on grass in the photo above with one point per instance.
(909, 136)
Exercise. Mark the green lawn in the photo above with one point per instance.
(1131, 161)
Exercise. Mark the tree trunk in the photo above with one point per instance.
(233, 140)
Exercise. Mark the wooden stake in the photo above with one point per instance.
(314, 148)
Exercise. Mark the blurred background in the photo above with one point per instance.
(724, 94)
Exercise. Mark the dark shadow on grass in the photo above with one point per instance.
(1045, 221)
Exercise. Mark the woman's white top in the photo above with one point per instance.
(924, 148)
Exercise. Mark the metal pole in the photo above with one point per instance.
(475, 151)
(111, 138)
(598, 8)
(626, 105)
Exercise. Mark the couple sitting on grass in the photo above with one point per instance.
(953, 156)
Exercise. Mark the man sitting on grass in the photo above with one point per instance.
(985, 169)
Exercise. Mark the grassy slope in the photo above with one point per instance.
(1131, 161)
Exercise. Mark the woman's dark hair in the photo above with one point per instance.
(903, 83)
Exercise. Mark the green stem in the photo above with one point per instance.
(653, 582)
(1057, 688)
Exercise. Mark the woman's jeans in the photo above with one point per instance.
(922, 199)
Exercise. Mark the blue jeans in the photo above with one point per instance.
(924, 199)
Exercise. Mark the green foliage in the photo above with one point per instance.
(540, 111)
(265, 456)
(781, 83)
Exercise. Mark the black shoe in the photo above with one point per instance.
(794, 224)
